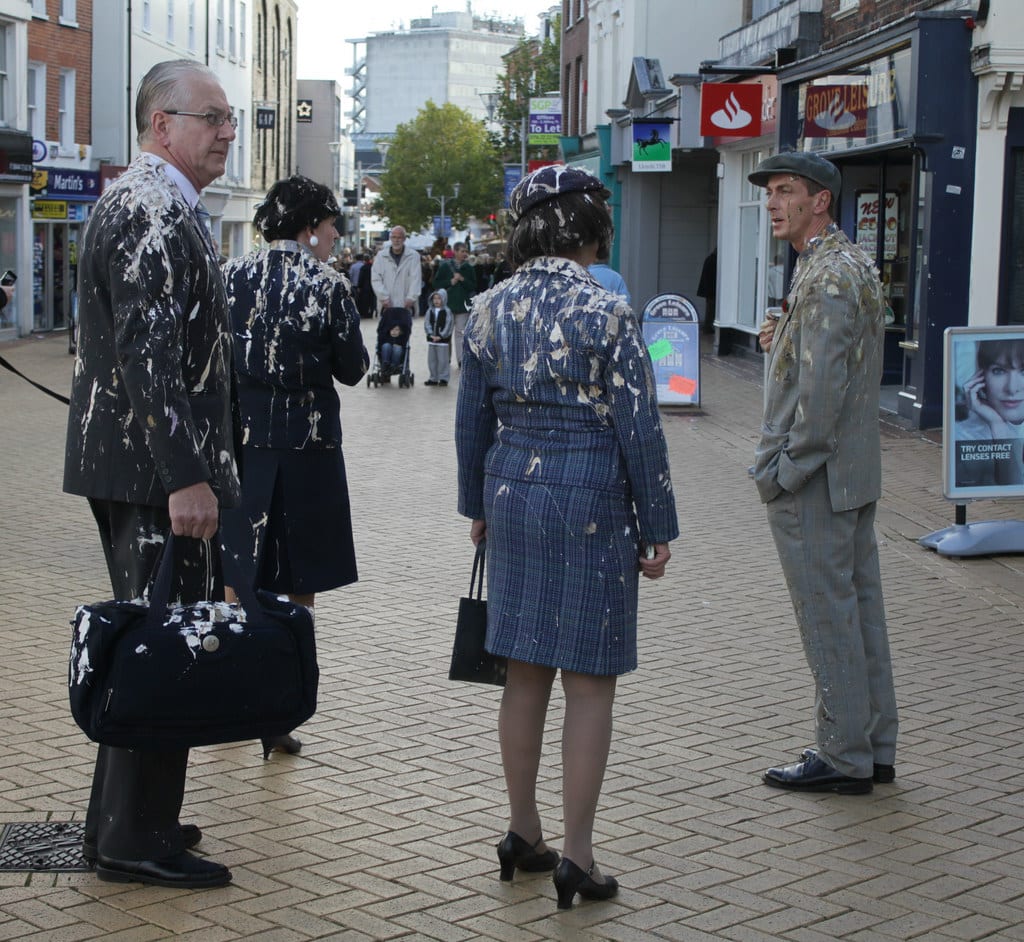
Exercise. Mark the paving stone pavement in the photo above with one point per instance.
(384, 827)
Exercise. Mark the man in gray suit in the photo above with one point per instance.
(818, 470)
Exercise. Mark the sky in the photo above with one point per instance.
(324, 25)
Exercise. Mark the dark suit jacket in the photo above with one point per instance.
(296, 332)
(151, 404)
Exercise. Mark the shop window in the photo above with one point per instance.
(1014, 252)
(762, 257)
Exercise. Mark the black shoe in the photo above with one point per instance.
(881, 774)
(190, 836)
(514, 852)
(286, 744)
(181, 870)
(815, 775)
(430, 382)
(570, 880)
(443, 382)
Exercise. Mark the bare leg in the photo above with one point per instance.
(586, 739)
(524, 706)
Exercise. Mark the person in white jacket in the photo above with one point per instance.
(396, 276)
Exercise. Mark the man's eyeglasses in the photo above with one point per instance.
(215, 119)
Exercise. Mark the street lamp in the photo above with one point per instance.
(490, 100)
(441, 199)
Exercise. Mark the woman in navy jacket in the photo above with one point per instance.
(296, 331)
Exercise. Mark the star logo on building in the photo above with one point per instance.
(304, 109)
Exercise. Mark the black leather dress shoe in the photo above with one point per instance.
(815, 775)
(181, 870)
(190, 835)
(882, 774)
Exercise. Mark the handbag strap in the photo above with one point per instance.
(234, 576)
(477, 579)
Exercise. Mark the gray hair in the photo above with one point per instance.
(163, 87)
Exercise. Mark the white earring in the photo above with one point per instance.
(314, 241)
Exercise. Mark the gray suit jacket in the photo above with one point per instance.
(824, 372)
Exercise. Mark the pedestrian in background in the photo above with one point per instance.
(609, 279)
(457, 276)
(439, 326)
(396, 274)
(563, 470)
(150, 432)
(818, 470)
(707, 288)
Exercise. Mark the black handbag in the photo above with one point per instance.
(470, 661)
(171, 677)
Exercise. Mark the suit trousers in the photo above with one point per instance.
(137, 794)
(458, 333)
(830, 561)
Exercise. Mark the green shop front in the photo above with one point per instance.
(897, 114)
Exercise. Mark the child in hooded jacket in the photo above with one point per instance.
(439, 324)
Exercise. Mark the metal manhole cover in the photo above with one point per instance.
(43, 845)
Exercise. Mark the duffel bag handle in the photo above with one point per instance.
(234, 576)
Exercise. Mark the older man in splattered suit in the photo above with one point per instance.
(818, 470)
(150, 436)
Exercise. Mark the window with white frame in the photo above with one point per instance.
(848, 5)
(170, 22)
(66, 108)
(147, 16)
(69, 11)
(241, 31)
(35, 90)
(191, 25)
(220, 25)
(39, 8)
(6, 35)
(239, 146)
(232, 10)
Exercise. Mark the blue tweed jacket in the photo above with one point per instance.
(557, 386)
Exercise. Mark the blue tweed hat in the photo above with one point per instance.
(548, 183)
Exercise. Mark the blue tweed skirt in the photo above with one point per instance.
(562, 576)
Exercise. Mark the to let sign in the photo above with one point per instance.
(545, 121)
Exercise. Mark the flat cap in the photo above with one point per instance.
(550, 182)
(801, 164)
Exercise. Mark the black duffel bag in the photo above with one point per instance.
(171, 677)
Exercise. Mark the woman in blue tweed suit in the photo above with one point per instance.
(563, 469)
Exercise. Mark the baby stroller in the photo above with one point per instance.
(394, 330)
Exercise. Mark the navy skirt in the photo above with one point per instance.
(562, 576)
(294, 522)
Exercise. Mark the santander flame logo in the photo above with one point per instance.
(731, 116)
(835, 117)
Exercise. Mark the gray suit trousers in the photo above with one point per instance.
(830, 561)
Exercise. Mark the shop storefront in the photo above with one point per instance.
(61, 203)
(897, 114)
(15, 173)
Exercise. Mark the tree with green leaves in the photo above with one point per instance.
(442, 146)
(532, 70)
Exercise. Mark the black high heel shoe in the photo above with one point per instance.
(514, 852)
(288, 744)
(570, 880)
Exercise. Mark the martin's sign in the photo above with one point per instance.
(69, 184)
